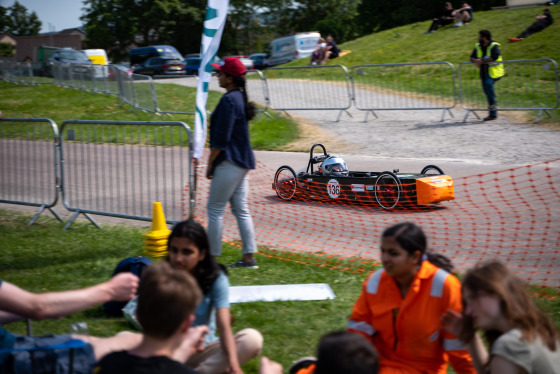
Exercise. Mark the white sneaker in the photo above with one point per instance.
(458, 24)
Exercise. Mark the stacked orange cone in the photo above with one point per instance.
(156, 240)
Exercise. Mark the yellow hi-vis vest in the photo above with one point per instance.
(495, 70)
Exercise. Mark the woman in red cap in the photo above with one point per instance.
(231, 158)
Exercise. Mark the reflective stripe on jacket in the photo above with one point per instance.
(308, 370)
(495, 69)
(407, 332)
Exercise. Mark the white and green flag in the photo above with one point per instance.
(216, 13)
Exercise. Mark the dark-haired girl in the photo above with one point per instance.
(231, 158)
(188, 251)
(401, 305)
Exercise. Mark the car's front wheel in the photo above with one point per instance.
(285, 183)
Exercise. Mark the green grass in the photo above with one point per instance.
(408, 43)
(61, 104)
(44, 257)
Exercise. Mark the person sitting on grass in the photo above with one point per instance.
(445, 18)
(463, 15)
(340, 352)
(189, 252)
(319, 51)
(522, 339)
(330, 51)
(400, 308)
(167, 299)
(542, 22)
(17, 304)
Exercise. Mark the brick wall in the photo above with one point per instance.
(29, 45)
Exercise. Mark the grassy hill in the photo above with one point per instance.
(454, 44)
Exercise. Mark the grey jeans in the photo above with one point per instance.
(229, 183)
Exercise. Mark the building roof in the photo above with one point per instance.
(8, 38)
(72, 30)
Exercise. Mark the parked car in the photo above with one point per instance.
(245, 61)
(192, 65)
(81, 64)
(193, 60)
(161, 66)
(259, 61)
(71, 56)
(139, 56)
(192, 55)
(120, 67)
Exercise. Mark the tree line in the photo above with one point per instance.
(115, 25)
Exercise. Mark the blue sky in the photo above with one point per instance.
(56, 15)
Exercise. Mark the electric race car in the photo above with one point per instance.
(333, 181)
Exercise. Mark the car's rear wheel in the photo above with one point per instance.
(388, 190)
(432, 170)
(285, 183)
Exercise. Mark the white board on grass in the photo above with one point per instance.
(281, 292)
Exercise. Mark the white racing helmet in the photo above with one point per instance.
(334, 165)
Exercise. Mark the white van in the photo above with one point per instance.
(99, 58)
(290, 48)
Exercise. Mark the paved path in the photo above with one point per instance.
(410, 134)
(511, 215)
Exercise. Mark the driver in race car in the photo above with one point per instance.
(334, 166)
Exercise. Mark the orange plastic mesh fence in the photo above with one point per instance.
(512, 216)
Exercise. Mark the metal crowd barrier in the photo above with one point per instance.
(164, 105)
(126, 87)
(409, 86)
(6, 69)
(309, 88)
(25, 73)
(156, 159)
(29, 173)
(3, 69)
(60, 75)
(100, 78)
(42, 73)
(113, 81)
(257, 90)
(534, 82)
(144, 93)
(406, 86)
(17, 72)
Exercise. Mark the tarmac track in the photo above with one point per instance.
(489, 219)
(483, 222)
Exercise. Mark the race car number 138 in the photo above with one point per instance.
(333, 188)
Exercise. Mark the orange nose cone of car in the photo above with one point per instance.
(431, 190)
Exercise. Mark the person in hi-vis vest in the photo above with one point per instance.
(487, 56)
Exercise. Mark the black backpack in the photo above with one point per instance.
(134, 265)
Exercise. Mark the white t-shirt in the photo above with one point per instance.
(534, 357)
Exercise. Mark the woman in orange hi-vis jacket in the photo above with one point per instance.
(401, 306)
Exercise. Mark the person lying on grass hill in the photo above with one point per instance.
(542, 22)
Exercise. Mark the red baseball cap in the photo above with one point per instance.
(231, 66)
